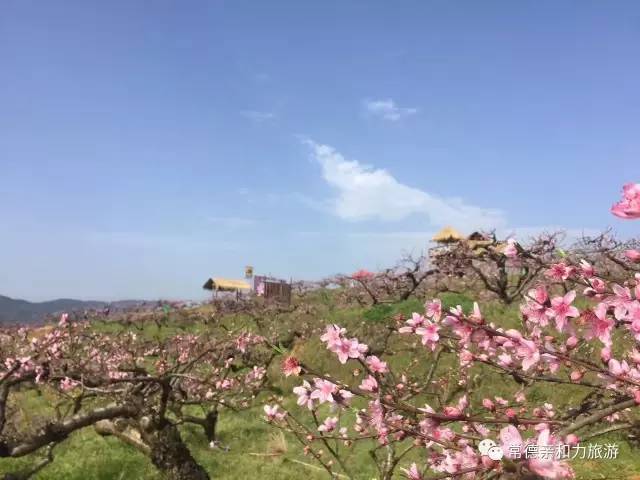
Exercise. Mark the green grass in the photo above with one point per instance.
(257, 450)
(87, 455)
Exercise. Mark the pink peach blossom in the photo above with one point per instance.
(362, 275)
(586, 268)
(67, 384)
(291, 366)
(434, 309)
(548, 467)
(413, 323)
(559, 271)
(561, 309)
(488, 404)
(376, 365)
(412, 473)
(429, 334)
(511, 250)
(599, 325)
(333, 335)
(324, 391)
(348, 348)
(633, 255)
(273, 413)
(369, 384)
(629, 207)
(329, 425)
(511, 441)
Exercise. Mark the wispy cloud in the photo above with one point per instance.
(258, 116)
(388, 109)
(364, 192)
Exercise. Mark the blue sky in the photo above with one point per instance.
(145, 146)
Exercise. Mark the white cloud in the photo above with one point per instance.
(365, 192)
(257, 116)
(388, 110)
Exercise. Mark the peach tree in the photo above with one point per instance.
(577, 331)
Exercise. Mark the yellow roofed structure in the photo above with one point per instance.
(447, 235)
(226, 285)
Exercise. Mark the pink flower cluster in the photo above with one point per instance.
(291, 366)
(272, 412)
(344, 348)
(362, 275)
(323, 391)
(545, 466)
(247, 339)
(629, 206)
(426, 329)
(511, 249)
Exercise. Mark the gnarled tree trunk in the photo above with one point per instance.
(162, 444)
(171, 456)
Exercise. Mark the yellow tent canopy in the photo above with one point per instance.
(447, 235)
(226, 285)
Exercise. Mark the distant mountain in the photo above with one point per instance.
(14, 311)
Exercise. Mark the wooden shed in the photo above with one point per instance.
(272, 288)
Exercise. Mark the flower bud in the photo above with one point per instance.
(576, 376)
